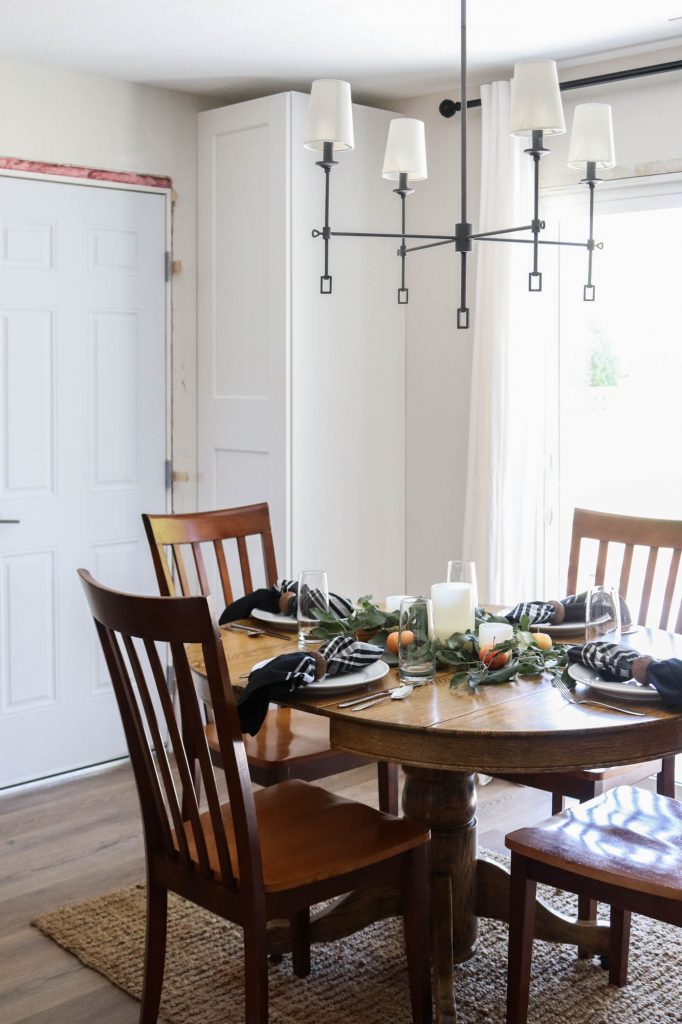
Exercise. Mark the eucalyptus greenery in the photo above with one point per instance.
(460, 652)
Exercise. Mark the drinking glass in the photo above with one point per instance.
(464, 572)
(313, 596)
(416, 646)
(602, 614)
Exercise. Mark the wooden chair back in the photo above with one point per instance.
(632, 532)
(129, 628)
(184, 542)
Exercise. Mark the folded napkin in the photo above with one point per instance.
(288, 672)
(611, 661)
(568, 609)
(551, 612)
(619, 664)
(283, 597)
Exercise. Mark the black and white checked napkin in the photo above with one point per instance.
(618, 664)
(340, 607)
(267, 599)
(611, 661)
(290, 671)
(549, 612)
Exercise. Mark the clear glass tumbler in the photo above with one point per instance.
(313, 596)
(416, 644)
(602, 614)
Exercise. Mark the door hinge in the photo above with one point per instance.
(168, 470)
(168, 268)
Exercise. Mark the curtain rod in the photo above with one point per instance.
(448, 108)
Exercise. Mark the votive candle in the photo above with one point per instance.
(453, 608)
(491, 633)
(392, 602)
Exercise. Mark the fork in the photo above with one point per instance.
(572, 699)
(253, 631)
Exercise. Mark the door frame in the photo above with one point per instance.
(129, 186)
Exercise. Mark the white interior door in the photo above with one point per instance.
(82, 451)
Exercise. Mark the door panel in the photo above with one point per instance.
(82, 451)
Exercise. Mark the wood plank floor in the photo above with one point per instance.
(64, 841)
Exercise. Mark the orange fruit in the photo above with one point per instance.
(392, 640)
(543, 641)
(493, 659)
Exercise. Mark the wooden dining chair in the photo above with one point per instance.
(290, 744)
(258, 856)
(623, 848)
(656, 536)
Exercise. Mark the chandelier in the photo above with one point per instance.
(536, 112)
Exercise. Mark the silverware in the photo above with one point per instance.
(253, 631)
(572, 699)
(399, 693)
(366, 696)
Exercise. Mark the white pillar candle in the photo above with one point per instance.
(491, 633)
(453, 608)
(392, 602)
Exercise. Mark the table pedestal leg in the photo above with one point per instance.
(446, 803)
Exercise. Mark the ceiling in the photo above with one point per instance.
(387, 49)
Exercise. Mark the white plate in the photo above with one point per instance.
(341, 684)
(630, 690)
(275, 619)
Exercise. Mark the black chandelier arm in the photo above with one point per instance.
(430, 245)
(545, 241)
(379, 234)
(503, 231)
(590, 181)
(403, 191)
(536, 151)
(463, 310)
(326, 163)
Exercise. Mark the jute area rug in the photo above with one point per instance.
(362, 979)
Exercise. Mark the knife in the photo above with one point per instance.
(367, 696)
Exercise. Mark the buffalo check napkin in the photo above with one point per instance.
(611, 661)
(288, 672)
(267, 599)
(619, 664)
(568, 609)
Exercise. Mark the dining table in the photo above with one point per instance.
(443, 735)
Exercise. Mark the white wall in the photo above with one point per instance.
(65, 117)
(648, 130)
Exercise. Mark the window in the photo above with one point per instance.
(615, 371)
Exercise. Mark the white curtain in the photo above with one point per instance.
(504, 509)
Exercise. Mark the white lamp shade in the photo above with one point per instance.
(405, 150)
(330, 115)
(536, 99)
(592, 136)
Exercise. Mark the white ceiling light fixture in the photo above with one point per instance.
(536, 112)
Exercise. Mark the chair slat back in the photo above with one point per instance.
(202, 536)
(130, 628)
(658, 537)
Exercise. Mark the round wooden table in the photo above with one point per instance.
(442, 737)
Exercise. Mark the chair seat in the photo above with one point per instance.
(286, 735)
(308, 835)
(628, 837)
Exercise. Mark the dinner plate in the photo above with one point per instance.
(630, 690)
(275, 619)
(341, 684)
